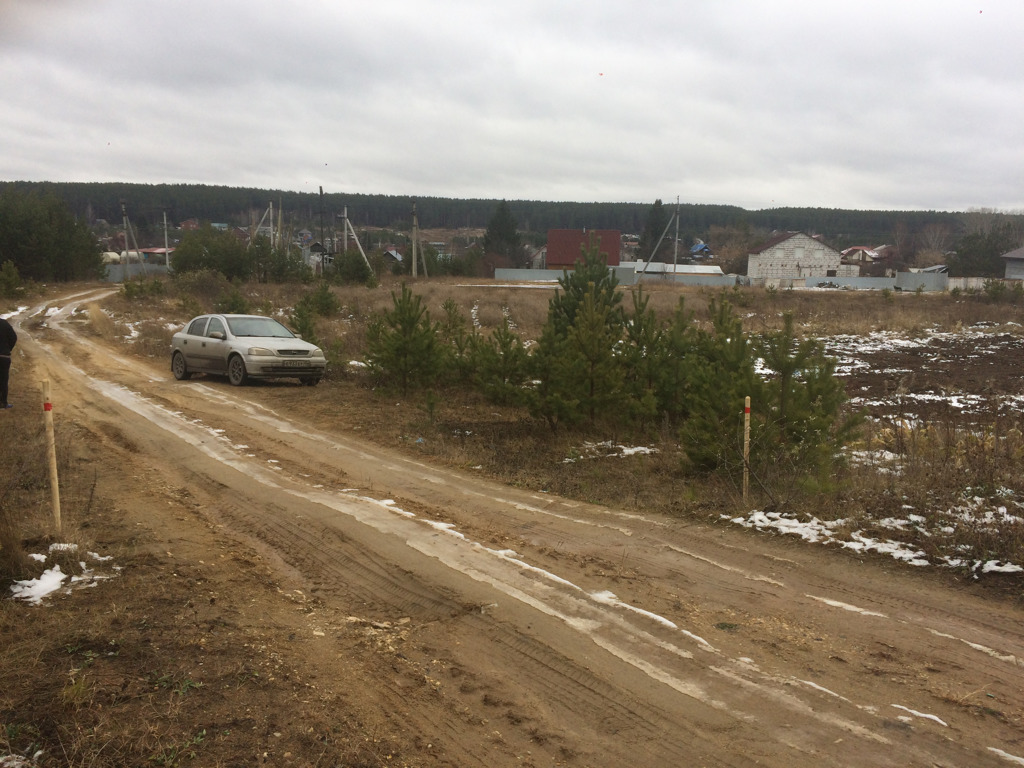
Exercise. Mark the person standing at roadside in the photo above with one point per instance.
(8, 338)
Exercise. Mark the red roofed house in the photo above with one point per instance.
(565, 246)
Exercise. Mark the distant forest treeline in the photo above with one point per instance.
(146, 203)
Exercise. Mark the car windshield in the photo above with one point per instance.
(258, 326)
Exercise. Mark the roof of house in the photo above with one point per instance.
(1016, 253)
(779, 238)
(563, 247)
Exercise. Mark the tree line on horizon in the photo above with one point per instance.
(146, 204)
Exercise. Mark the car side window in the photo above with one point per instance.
(197, 326)
(215, 325)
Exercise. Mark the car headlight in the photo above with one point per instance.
(260, 351)
(317, 352)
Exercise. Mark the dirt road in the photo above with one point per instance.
(574, 634)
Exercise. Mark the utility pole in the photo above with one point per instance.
(128, 232)
(355, 239)
(675, 253)
(124, 223)
(658, 244)
(322, 244)
(415, 238)
(167, 251)
(344, 230)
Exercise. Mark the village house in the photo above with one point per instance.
(565, 246)
(860, 254)
(796, 255)
(1014, 264)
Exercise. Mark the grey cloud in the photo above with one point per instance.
(866, 104)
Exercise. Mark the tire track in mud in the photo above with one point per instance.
(574, 683)
(361, 577)
(955, 635)
(311, 542)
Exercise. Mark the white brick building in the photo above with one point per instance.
(795, 255)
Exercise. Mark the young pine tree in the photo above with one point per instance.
(456, 342)
(590, 274)
(644, 357)
(402, 345)
(601, 374)
(570, 370)
(500, 364)
(803, 419)
(722, 374)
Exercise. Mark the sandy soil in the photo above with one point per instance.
(346, 605)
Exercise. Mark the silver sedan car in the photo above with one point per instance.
(244, 347)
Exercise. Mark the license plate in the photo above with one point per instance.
(295, 364)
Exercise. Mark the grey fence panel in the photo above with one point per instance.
(115, 273)
(854, 283)
(925, 281)
(529, 275)
(712, 281)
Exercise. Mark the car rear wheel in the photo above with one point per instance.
(236, 371)
(179, 368)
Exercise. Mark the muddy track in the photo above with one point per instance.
(592, 636)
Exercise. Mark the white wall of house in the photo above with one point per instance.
(1014, 269)
(799, 256)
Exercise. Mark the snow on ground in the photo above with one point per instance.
(852, 353)
(606, 449)
(832, 532)
(18, 311)
(53, 578)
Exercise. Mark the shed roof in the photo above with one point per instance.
(1016, 253)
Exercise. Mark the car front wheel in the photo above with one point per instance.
(179, 368)
(236, 371)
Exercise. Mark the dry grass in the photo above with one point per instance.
(23, 482)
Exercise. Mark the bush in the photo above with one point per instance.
(351, 267)
(203, 286)
(304, 321)
(10, 280)
(233, 303)
(322, 301)
(142, 289)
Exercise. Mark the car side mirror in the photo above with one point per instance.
(217, 335)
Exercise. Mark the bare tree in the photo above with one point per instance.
(935, 237)
(902, 240)
(980, 221)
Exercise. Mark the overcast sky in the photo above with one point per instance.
(892, 104)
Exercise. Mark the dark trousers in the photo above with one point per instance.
(5, 373)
